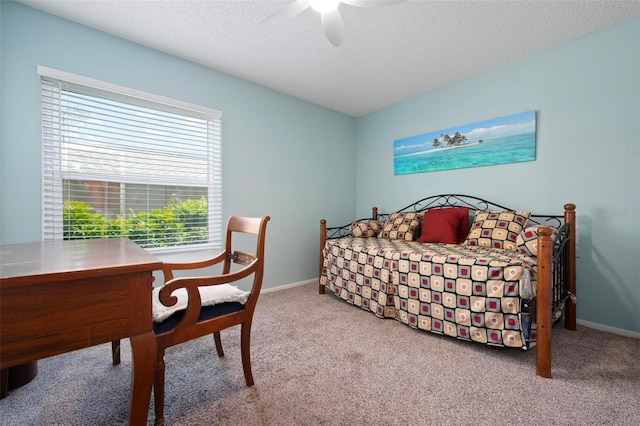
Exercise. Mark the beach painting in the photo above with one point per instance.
(503, 140)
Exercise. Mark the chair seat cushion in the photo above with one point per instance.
(209, 295)
(206, 312)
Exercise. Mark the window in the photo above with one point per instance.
(122, 163)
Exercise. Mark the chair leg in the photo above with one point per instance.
(158, 390)
(115, 352)
(245, 342)
(216, 338)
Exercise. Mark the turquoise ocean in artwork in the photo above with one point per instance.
(508, 149)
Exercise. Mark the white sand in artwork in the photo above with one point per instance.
(431, 151)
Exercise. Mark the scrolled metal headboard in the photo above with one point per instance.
(473, 203)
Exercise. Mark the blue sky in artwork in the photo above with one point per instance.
(486, 130)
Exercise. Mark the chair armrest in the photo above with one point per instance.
(191, 284)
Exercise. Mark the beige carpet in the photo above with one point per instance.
(320, 361)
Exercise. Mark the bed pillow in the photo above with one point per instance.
(527, 241)
(366, 228)
(463, 231)
(497, 229)
(400, 226)
(444, 225)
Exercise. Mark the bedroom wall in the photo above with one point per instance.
(268, 137)
(587, 96)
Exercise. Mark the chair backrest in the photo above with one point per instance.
(247, 225)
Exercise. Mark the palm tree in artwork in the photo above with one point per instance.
(457, 138)
(436, 143)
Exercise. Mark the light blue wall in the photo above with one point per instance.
(278, 152)
(587, 96)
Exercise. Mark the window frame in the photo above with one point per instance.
(52, 172)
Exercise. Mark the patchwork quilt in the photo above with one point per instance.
(468, 292)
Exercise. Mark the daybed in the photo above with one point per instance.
(461, 266)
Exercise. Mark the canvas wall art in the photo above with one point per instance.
(503, 140)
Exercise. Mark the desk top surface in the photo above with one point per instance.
(50, 260)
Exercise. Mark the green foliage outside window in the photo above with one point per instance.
(179, 223)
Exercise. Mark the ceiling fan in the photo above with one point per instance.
(328, 10)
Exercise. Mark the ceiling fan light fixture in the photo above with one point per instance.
(323, 6)
(329, 14)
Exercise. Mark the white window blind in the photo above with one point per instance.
(119, 162)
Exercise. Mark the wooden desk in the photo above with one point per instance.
(59, 296)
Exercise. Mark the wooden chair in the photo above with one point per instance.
(197, 320)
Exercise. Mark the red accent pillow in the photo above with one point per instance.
(447, 225)
(463, 230)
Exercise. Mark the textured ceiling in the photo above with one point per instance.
(390, 53)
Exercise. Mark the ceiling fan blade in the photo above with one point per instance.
(372, 3)
(333, 28)
(286, 12)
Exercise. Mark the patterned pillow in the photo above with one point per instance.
(497, 229)
(366, 229)
(527, 240)
(401, 226)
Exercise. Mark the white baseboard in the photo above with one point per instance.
(286, 286)
(609, 329)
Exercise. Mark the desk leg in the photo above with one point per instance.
(4, 382)
(144, 354)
